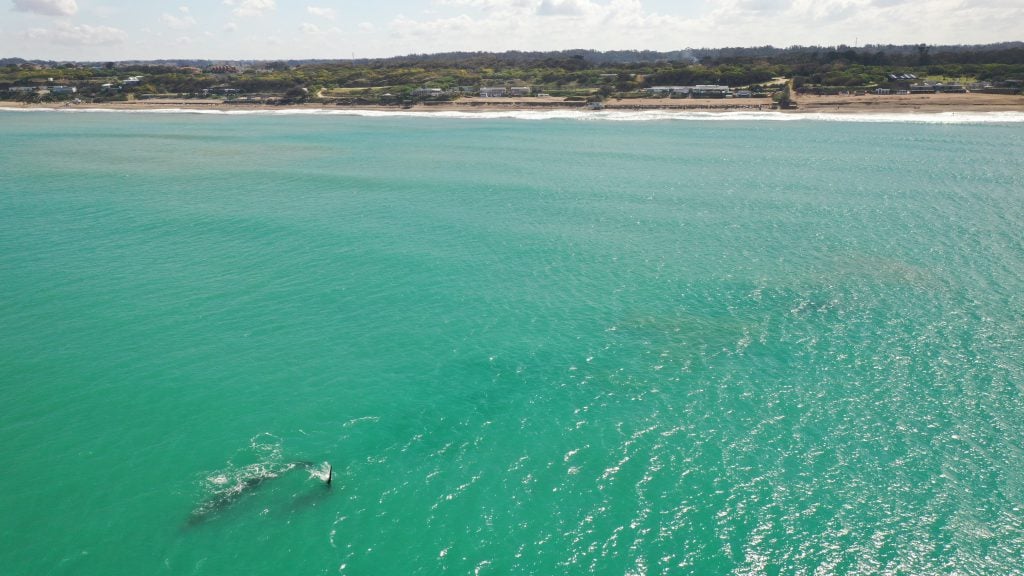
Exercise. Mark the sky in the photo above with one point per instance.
(101, 30)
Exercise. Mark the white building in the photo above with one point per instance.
(428, 92)
(63, 89)
(710, 91)
(669, 90)
(492, 91)
(519, 91)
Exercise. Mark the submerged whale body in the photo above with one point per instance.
(249, 482)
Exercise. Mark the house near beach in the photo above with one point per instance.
(929, 88)
(492, 91)
(1008, 86)
(60, 89)
(698, 91)
(225, 89)
(710, 91)
(669, 90)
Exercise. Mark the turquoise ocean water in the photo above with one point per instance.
(526, 347)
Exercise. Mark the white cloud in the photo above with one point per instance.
(252, 7)
(765, 6)
(498, 25)
(544, 25)
(326, 13)
(183, 22)
(47, 7)
(408, 27)
(36, 33)
(312, 30)
(566, 8)
(488, 4)
(86, 35)
(80, 35)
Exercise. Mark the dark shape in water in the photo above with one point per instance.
(226, 498)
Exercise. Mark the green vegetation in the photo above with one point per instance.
(577, 74)
(783, 97)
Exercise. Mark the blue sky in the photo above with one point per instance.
(270, 29)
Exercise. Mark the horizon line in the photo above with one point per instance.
(353, 58)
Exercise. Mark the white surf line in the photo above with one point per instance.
(586, 115)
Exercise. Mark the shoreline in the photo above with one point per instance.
(908, 107)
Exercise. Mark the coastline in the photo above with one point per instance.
(909, 107)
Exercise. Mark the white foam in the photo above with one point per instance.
(587, 115)
(321, 472)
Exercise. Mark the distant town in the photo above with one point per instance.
(579, 76)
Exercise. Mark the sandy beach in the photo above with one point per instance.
(847, 104)
(911, 103)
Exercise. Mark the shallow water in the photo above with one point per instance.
(742, 347)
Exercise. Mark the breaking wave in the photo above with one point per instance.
(587, 115)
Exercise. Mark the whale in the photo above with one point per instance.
(225, 498)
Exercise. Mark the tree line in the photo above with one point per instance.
(567, 72)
